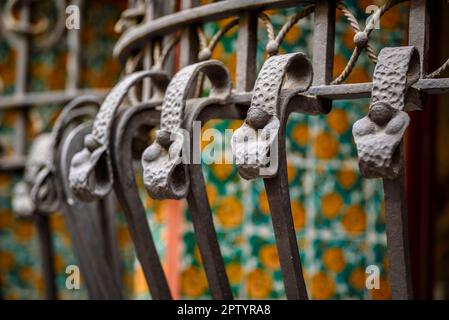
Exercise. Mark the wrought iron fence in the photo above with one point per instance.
(101, 148)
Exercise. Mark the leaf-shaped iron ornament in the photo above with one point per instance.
(91, 172)
(251, 143)
(379, 134)
(164, 171)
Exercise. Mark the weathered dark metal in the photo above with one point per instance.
(25, 207)
(87, 223)
(91, 172)
(164, 174)
(136, 38)
(171, 172)
(378, 137)
(84, 226)
(144, 25)
(380, 132)
(259, 150)
(130, 123)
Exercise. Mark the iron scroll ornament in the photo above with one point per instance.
(379, 134)
(164, 171)
(378, 138)
(259, 151)
(252, 142)
(176, 179)
(91, 171)
(43, 190)
(46, 192)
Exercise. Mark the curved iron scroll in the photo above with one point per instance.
(378, 137)
(26, 208)
(83, 220)
(164, 173)
(166, 176)
(259, 149)
(126, 128)
(252, 141)
(43, 189)
(91, 172)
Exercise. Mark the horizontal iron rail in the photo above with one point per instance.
(331, 92)
(48, 97)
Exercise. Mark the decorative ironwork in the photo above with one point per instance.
(94, 159)
(378, 135)
(99, 156)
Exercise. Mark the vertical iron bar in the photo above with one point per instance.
(203, 224)
(419, 21)
(189, 41)
(22, 87)
(74, 54)
(398, 244)
(399, 272)
(47, 255)
(323, 42)
(106, 209)
(147, 61)
(247, 51)
(22, 82)
(281, 214)
(206, 236)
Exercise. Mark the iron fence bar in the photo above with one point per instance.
(398, 243)
(36, 99)
(83, 221)
(247, 52)
(47, 255)
(197, 199)
(189, 46)
(126, 190)
(331, 92)
(21, 86)
(75, 48)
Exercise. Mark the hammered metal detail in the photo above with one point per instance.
(379, 134)
(90, 174)
(252, 141)
(45, 34)
(164, 174)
